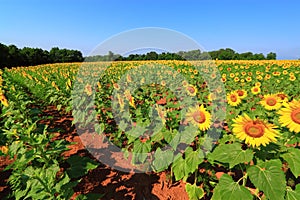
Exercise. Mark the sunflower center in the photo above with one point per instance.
(254, 130)
(240, 92)
(271, 101)
(281, 96)
(233, 98)
(191, 90)
(295, 115)
(255, 90)
(199, 117)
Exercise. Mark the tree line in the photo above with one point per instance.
(11, 56)
(222, 54)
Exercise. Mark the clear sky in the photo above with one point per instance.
(259, 26)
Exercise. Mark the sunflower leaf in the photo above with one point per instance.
(228, 189)
(293, 194)
(231, 154)
(268, 177)
(293, 159)
(194, 191)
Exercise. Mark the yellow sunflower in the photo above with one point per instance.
(199, 117)
(271, 102)
(292, 78)
(242, 93)
(3, 100)
(161, 113)
(129, 98)
(236, 79)
(233, 99)
(255, 132)
(88, 89)
(290, 115)
(283, 97)
(192, 90)
(255, 90)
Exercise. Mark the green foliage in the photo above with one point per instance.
(228, 189)
(293, 159)
(194, 191)
(231, 154)
(268, 177)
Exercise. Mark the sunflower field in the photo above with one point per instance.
(227, 129)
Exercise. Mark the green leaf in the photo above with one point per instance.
(228, 189)
(194, 191)
(141, 150)
(193, 159)
(162, 159)
(231, 153)
(293, 194)
(293, 159)
(80, 166)
(268, 177)
(179, 168)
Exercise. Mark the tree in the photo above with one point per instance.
(271, 56)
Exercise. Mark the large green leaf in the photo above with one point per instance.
(193, 159)
(141, 150)
(228, 189)
(231, 153)
(268, 177)
(293, 194)
(179, 168)
(194, 191)
(162, 159)
(293, 159)
(80, 166)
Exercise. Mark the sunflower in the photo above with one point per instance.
(121, 102)
(116, 86)
(271, 102)
(88, 89)
(3, 100)
(199, 117)
(236, 79)
(233, 99)
(130, 98)
(292, 78)
(255, 90)
(192, 90)
(211, 97)
(283, 97)
(242, 93)
(161, 113)
(248, 79)
(255, 132)
(257, 84)
(290, 115)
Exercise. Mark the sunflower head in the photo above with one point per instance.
(271, 102)
(255, 90)
(3, 100)
(255, 132)
(242, 93)
(290, 116)
(191, 90)
(200, 117)
(233, 99)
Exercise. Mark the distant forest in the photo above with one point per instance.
(11, 56)
(222, 54)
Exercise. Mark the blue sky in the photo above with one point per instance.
(248, 25)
